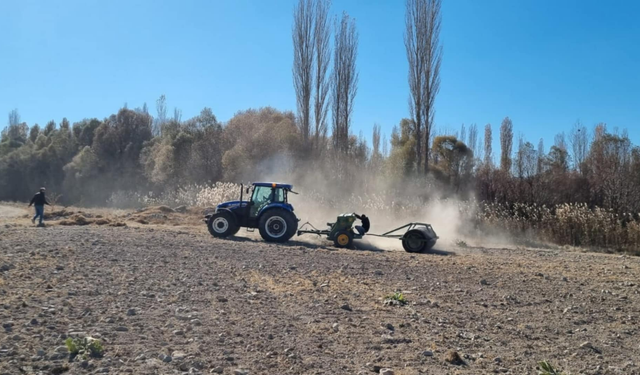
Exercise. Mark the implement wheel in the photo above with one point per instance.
(415, 241)
(344, 239)
(222, 224)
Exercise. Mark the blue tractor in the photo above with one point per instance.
(268, 210)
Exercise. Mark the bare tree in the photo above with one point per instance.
(488, 140)
(14, 117)
(303, 54)
(375, 160)
(520, 156)
(579, 140)
(385, 145)
(472, 141)
(161, 108)
(375, 140)
(529, 160)
(560, 141)
(526, 159)
(321, 40)
(599, 131)
(424, 54)
(344, 80)
(15, 131)
(177, 115)
(506, 144)
(540, 163)
(463, 134)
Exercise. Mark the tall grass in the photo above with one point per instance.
(573, 224)
(188, 195)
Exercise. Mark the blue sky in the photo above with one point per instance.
(543, 63)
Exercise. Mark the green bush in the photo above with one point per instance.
(85, 347)
(396, 298)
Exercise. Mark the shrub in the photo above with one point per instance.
(85, 347)
(396, 298)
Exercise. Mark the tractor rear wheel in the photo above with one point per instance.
(414, 241)
(343, 239)
(277, 225)
(222, 224)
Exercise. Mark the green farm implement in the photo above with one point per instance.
(418, 237)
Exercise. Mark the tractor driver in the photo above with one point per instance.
(364, 228)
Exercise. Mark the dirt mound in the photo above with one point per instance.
(163, 209)
(58, 214)
(78, 219)
(164, 215)
(101, 221)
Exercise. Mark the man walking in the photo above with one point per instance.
(39, 200)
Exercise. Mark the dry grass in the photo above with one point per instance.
(566, 224)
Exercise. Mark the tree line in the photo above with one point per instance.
(132, 150)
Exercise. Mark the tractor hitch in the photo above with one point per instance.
(315, 230)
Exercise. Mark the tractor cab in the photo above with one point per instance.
(267, 209)
(266, 193)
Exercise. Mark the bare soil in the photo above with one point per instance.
(168, 298)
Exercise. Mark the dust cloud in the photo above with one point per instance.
(389, 204)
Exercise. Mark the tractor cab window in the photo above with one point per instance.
(278, 195)
(261, 197)
(261, 194)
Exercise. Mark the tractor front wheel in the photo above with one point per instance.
(278, 225)
(343, 239)
(222, 224)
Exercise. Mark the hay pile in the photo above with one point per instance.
(155, 215)
(164, 215)
(78, 219)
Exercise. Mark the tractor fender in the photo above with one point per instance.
(233, 214)
(273, 206)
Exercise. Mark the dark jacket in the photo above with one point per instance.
(365, 222)
(39, 200)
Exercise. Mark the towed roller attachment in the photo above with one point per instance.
(419, 237)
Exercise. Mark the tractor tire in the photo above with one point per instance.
(277, 225)
(222, 224)
(415, 241)
(343, 239)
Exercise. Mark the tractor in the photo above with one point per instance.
(268, 209)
